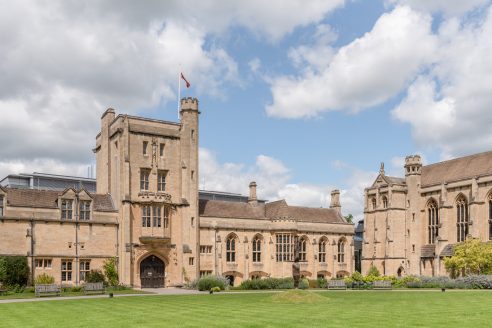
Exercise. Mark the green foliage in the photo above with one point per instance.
(357, 276)
(94, 276)
(44, 279)
(322, 282)
(349, 218)
(215, 289)
(14, 271)
(470, 257)
(304, 284)
(76, 289)
(373, 271)
(269, 283)
(111, 271)
(209, 282)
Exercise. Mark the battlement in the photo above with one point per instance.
(189, 104)
(413, 165)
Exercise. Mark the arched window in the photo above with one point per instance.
(231, 249)
(433, 221)
(462, 221)
(490, 216)
(385, 202)
(256, 249)
(341, 250)
(302, 249)
(322, 250)
(373, 202)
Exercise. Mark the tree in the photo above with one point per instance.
(14, 270)
(373, 271)
(349, 218)
(470, 257)
(111, 272)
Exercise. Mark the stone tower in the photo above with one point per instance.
(413, 172)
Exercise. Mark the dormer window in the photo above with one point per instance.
(385, 202)
(1, 206)
(373, 203)
(85, 210)
(66, 209)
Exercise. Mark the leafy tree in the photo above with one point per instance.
(470, 257)
(373, 271)
(14, 270)
(111, 272)
(349, 218)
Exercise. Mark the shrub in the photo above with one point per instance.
(29, 290)
(94, 276)
(322, 283)
(373, 271)
(476, 281)
(44, 279)
(215, 289)
(357, 276)
(208, 282)
(14, 271)
(303, 284)
(111, 272)
(269, 283)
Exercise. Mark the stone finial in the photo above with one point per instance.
(252, 193)
(381, 168)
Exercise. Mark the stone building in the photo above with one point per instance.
(147, 213)
(412, 223)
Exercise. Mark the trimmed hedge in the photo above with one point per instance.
(273, 283)
(209, 282)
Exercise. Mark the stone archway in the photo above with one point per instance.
(152, 271)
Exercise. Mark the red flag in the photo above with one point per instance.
(187, 83)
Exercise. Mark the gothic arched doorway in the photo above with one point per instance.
(152, 272)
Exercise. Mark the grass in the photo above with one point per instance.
(335, 309)
(32, 295)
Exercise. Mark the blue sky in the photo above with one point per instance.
(301, 97)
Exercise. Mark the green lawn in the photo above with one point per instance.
(335, 309)
(32, 295)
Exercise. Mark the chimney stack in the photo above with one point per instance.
(335, 201)
(252, 193)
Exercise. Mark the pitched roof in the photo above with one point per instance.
(395, 180)
(448, 250)
(274, 210)
(48, 199)
(428, 251)
(224, 209)
(457, 169)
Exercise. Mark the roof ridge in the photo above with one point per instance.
(458, 158)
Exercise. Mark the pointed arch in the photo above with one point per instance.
(323, 241)
(462, 217)
(341, 249)
(231, 242)
(303, 242)
(432, 210)
(385, 201)
(256, 247)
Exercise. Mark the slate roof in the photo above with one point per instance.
(48, 199)
(274, 210)
(428, 251)
(457, 169)
(395, 180)
(448, 250)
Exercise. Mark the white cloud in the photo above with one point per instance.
(448, 7)
(364, 73)
(274, 182)
(63, 62)
(449, 108)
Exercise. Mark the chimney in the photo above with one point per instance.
(252, 194)
(335, 201)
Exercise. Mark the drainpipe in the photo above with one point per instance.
(32, 251)
(76, 214)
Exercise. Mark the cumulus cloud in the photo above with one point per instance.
(449, 107)
(364, 73)
(63, 62)
(274, 183)
(448, 7)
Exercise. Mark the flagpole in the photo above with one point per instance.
(179, 91)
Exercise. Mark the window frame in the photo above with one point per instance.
(462, 219)
(146, 216)
(84, 268)
(303, 249)
(85, 210)
(145, 146)
(66, 211)
(144, 179)
(1, 205)
(66, 270)
(432, 222)
(231, 249)
(161, 180)
(284, 247)
(256, 249)
(157, 216)
(322, 250)
(341, 251)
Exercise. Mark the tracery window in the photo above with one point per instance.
(373, 202)
(462, 223)
(302, 249)
(256, 249)
(322, 250)
(341, 251)
(490, 217)
(284, 247)
(385, 202)
(433, 221)
(1, 206)
(231, 249)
